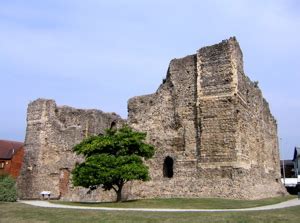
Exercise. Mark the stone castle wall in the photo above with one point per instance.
(212, 129)
(215, 125)
(51, 133)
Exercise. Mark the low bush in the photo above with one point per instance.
(8, 191)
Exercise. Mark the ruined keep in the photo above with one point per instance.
(212, 129)
(213, 125)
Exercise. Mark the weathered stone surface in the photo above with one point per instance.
(51, 133)
(213, 130)
(216, 126)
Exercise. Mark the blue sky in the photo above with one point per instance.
(98, 54)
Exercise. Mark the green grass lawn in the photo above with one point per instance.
(186, 203)
(21, 213)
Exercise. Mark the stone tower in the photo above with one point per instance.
(213, 130)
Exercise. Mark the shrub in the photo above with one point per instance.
(8, 191)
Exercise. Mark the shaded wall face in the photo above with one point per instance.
(50, 136)
(257, 139)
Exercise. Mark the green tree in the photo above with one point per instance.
(112, 159)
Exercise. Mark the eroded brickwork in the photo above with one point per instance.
(216, 126)
(211, 126)
(51, 133)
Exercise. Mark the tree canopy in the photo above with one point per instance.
(112, 159)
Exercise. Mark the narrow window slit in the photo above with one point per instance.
(168, 167)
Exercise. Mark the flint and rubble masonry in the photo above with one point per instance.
(212, 129)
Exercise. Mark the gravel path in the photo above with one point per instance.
(290, 203)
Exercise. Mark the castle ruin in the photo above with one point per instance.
(51, 133)
(212, 129)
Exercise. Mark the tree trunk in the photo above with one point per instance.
(119, 193)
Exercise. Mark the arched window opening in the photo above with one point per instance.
(168, 167)
(113, 125)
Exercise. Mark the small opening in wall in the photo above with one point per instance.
(113, 125)
(168, 167)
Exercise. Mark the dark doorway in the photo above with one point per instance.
(113, 125)
(168, 167)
